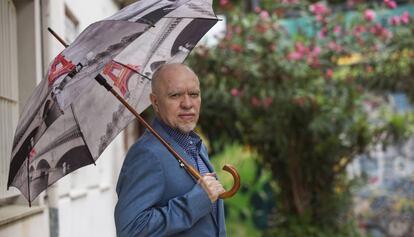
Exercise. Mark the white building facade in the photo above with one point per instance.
(81, 203)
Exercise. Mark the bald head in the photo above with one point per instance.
(166, 71)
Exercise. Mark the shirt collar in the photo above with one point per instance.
(186, 141)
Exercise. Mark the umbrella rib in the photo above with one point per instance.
(125, 40)
(189, 17)
(28, 181)
(133, 69)
(142, 75)
(29, 121)
(170, 27)
(131, 15)
(197, 8)
(81, 134)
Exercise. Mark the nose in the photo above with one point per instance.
(186, 102)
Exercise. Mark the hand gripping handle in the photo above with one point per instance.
(236, 184)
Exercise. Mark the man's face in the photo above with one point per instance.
(177, 99)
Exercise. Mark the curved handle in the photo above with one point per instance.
(236, 184)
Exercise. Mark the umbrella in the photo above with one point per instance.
(58, 131)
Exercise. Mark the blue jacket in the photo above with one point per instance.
(156, 197)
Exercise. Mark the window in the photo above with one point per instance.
(9, 108)
(71, 26)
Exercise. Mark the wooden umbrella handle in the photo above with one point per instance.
(236, 184)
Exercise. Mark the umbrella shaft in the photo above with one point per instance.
(57, 37)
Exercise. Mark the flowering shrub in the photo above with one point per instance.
(309, 92)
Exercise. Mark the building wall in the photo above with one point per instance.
(20, 70)
(31, 222)
(81, 203)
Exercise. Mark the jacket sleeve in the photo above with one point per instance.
(140, 187)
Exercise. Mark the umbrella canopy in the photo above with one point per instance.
(69, 119)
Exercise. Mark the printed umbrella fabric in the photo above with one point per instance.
(70, 119)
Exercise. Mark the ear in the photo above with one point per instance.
(154, 102)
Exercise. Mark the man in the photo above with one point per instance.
(156, 196)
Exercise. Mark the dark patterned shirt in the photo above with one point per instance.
(191, 143)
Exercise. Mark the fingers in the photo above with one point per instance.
(212, 186)
(210, 174)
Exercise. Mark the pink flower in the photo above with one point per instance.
(235, 92)
(318, 8)
(359, 29)
(329, 73)
(262, 28)
(385, 33)
(337, 29)
(395, 20)
(267, 102)
(229, 35)
(224, 2)
(319, 18)
(369, 15)
(312, 61)
(334, 46)
(295, 55)
(237, 47)
(390, 4)
(380, 31)
(301, 48)
(291, 2)
(377, 29)
(322, 33)
(255, 101)
(316, 51)
(405, 17)
(360, 41)
(264, 14)
(257, 9)
(351, 3)
(238, 29)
